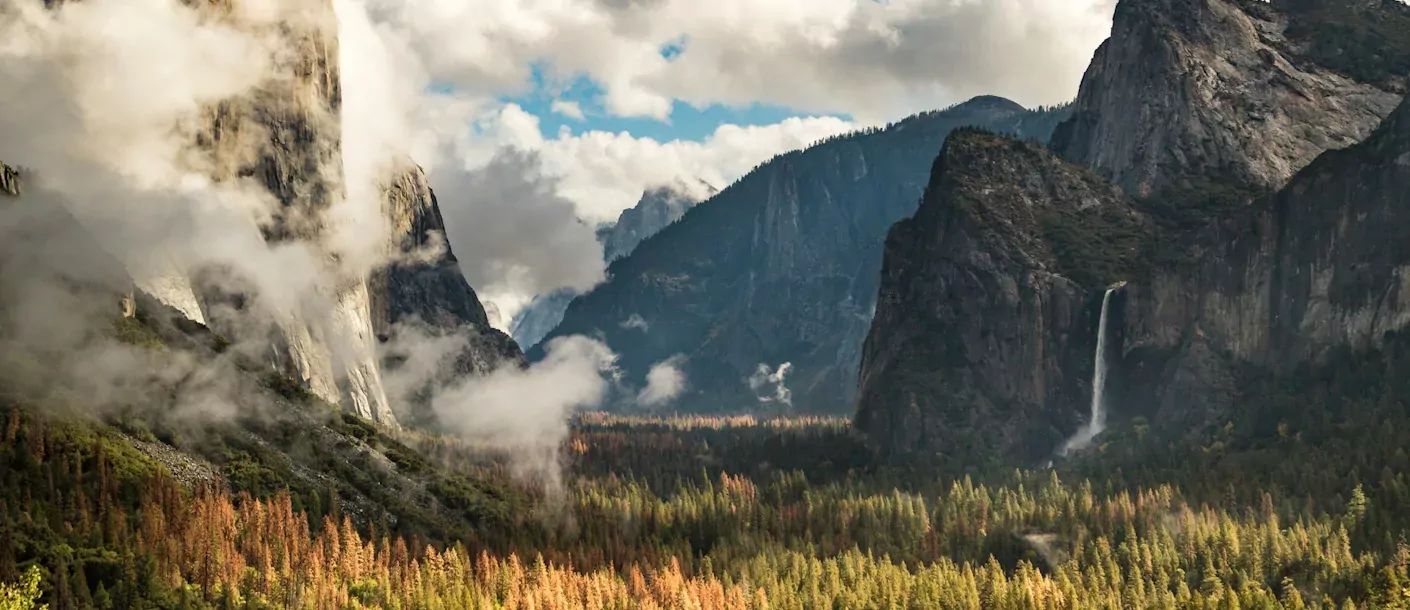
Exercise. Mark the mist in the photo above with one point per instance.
(769, 384)
(526, 411)
(115, 109)
(664, 382)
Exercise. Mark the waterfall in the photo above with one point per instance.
(1097, 423)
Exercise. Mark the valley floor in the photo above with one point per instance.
(666, 513)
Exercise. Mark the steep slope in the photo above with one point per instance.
(182, 410)
(657, 209)
(981, 345)
(424, 288)
(286, 134)
(780, 267)
(1202, 109)
(1221, 90)
(1233, 282)
(1342, 274)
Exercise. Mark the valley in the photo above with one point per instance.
(342, 304)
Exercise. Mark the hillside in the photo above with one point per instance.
(778, 268)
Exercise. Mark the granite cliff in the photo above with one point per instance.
(424, 287)
(1263, 171)
(284, 138)
(1215, 90)
(780, 267)
(984, 327)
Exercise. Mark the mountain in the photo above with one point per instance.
(779, 270)
(283, 138)
(425, 288)
(657, 209)
(1251, 247)
(295, 153)
(1221, 90)
(983, 334)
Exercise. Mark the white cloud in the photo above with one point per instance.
(525, 411)
(664, 382)
(769, 384)
(873, 60)
(513, 234)
(637, 322)
(567, 108)
(603, 173)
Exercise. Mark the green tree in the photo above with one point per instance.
(22, 595)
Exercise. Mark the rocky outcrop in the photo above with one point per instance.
(657, 209)
(287, 134)
(1213, 90)
(9, 181)
(986, 322)
(424, 287)
(781, 266)
(424, 280)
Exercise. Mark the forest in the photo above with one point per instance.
(705, 512)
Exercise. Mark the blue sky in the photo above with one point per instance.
(686, 121)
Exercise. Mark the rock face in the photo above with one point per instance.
(287, 133)
(425, 287)
(1207, 113)
(1213, 90)
(426, 281)
(657, 209)
(283, 138)
(9, 180)
(781, 266)
(985, 324)
(1341, 272)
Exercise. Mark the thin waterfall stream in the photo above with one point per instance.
(1097, 423)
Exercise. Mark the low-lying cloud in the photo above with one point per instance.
(769, 384)
(635, 321)
(526, 411)
(664, 382)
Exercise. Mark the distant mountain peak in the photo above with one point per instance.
(658, 207)
(695, 188)
(992, 103)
